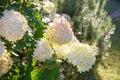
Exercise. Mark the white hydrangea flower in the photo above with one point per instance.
(59, 31)
(81, 55)
(5, 63)
(12, 25)
(48, 6)
(43, 50)
(46, 19)
(62, 50)
(2, 49)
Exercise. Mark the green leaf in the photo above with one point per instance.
(28, 71)
(50, 62)
(14, 77)
(52, 74)
(21, 1)
(34, 62)
(14, 6)
(39, 33)
(36, 74)
(19, 45)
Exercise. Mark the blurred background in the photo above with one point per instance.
(108, 67)
(111, 69)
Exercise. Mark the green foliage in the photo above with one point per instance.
(70, 7)
(22, 62)
(93, 23)
(36, 74)
(52, 74)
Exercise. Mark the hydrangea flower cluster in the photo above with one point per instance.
(5, 63)
(66, 46)
(5, 60)
(13, 25)
(79, 54)
(59, 31)
(43, 50)
(62, 51)
(48, 6)
(2, 49)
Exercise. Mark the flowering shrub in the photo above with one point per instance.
(37, 40)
